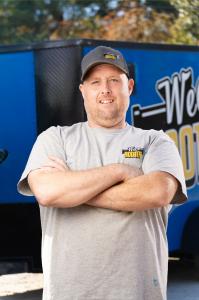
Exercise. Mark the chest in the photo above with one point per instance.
(89, 150)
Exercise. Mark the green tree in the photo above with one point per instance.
(27, 20)
(169, 21)
(185, 29)
(34, 20)
(89, 8)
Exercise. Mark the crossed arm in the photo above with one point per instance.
(115, 186)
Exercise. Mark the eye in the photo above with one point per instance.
(95, 82)
(114, 80)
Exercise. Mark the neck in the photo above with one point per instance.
(107, 125)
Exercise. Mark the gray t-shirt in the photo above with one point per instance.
(93, 253)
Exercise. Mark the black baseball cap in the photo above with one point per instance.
(103, 55)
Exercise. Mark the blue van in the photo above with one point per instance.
(39, 88)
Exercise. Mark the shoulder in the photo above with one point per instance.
(60, 131)
(159, 136)
(151, 135)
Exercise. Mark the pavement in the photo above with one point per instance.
(32, 295)
(23, 286)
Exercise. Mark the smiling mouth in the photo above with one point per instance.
(107, 101)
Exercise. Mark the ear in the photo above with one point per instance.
(130, 85)
(81, 88)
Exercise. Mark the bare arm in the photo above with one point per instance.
(134, 191)
(149, 191)
(56, 185)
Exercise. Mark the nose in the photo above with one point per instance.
(105, 89)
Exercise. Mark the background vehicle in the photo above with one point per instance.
(39, 88)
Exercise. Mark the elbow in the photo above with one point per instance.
(166, 191)
(43, 201)
(50, 198)
(165, 197)
(49, 193)
(45, 193)
(39, 188)
(42, 193)
(43, 197)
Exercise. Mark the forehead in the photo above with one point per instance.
(104, 69)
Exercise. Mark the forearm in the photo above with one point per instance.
(140, 193)
(72, 188)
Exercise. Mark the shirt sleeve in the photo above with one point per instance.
(48, 143)
(162, 155)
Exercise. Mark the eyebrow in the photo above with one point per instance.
(94, 78)
(97, 78)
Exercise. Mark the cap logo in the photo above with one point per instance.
(111, 56)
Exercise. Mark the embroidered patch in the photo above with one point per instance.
(133, 152)
(111, 56)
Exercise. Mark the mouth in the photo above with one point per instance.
(106, 101)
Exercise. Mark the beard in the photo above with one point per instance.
(106, 118)
(107, 114)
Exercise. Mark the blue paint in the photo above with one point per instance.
(17, 120)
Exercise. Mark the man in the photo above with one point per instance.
(104, 189)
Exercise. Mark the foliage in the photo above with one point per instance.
(186, 28)
(135, 24)
(129, 21)
(161, 6)
(23, 20)
(163, 21)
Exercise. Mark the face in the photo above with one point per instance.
(106, 91)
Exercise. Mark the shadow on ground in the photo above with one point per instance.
(33, 295)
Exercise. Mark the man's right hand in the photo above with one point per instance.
(129, 172)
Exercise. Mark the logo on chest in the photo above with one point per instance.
(133, 152)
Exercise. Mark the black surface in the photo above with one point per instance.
(59, 101)
(20, 233)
